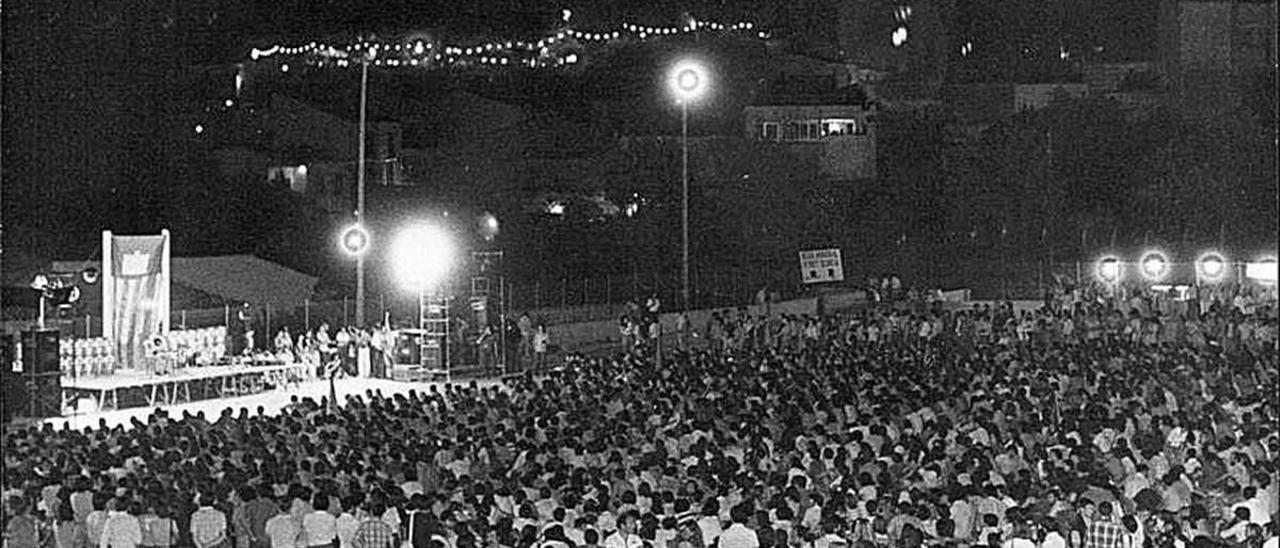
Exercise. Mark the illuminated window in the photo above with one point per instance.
(837, 127)
(769, 131)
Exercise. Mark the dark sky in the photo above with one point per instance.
(91, 86)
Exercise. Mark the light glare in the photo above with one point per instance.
(421, 255)
(1155, 266)
(688, 80)
(1108, 270)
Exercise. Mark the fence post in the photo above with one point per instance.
(226, 315)
(306, 313)
(537, 293)
(344, 311)
(267, 334)
(88, 324)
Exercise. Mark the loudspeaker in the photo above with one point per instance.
(44, 395)
(40, 352)
(12, 387)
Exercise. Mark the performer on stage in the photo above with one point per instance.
(157, 354)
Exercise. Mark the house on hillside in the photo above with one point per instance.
(311, 152)
(834, 127)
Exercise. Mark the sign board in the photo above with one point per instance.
(821, 265)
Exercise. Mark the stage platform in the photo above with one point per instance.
(137, 389)
(272, 401)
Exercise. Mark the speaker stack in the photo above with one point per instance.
(41, 373)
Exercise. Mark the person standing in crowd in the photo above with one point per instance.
(383, 348)
(541, 342)
(625, 537)
(208, 524)
(68, 533)
(122, 529)
(373, 532)
(526, 339)
(282, 530)
(738, 535)
(158, 528)
(364, 357)
(22, 529)
(320, 527)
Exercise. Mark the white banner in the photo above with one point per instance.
(821, 265)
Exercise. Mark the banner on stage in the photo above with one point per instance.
(135, 294)
(821, 265)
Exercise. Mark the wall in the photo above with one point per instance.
(1038, 96)
(576, 337)
(839, 157)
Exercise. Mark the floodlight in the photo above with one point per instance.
(354, 240)
(421, 255)
(1154, 266)
(1211, 266)
(1109, 269)
(1262, 270)
(688, 80)
(489, 226)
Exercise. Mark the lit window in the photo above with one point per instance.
(769, 131)
(838, 127)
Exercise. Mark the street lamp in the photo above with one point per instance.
(1109, 269)
(1154, 266)
(364, 89)
(688, 82)
(354, 240)
(1211, 267)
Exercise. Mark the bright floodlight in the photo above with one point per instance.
(489, 226)
(1109, 270)
(354, 240)
(1154, 266)
(1212, 266)
(688, 81)
(1263, 271)
(421, 255)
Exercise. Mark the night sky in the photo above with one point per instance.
(90, 87)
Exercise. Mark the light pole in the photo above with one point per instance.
(353, 240)
(688, 81)
(364, 88)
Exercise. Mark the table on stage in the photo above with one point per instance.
(176, 386)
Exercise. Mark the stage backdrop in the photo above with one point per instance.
(135, 293)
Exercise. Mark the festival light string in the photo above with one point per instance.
(549, 51)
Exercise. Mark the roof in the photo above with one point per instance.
(209, 281)
(244, 278)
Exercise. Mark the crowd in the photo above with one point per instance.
(900, 428)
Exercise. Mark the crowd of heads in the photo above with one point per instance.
(864, 429)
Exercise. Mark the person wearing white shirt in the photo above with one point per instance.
(120, 530)
(625, 537)
(319, 528)
(739, 535)
(283, 530)
(709, 523)
(1259, 510)
(348, 522)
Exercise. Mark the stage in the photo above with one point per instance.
(272, 401)
(137, 388)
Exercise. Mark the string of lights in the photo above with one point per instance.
(552, 50)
